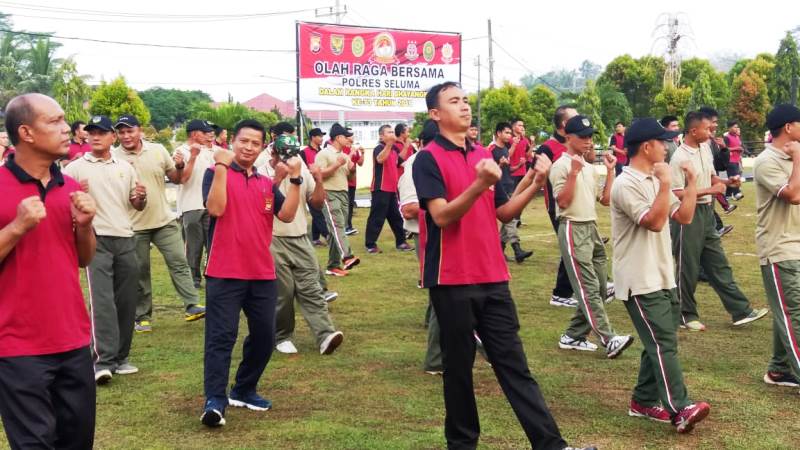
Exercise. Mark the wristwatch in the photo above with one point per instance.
(298, 180)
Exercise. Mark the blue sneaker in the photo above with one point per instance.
(214, 413)
(250, 401)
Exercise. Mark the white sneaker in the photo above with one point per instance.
(563, 302)
(126, 369)
(752, 317)
(567, 343)
(331, 342)
(286, 347)
(617, 345)
(330, 296)
(102, 376)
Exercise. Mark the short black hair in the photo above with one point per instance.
(252, 124)
(473, 124)
(218, 131)
(515, 120)
(429, 131)
(776, 132)
(560, 115)
(633, 148)
(75, 125)
(692, 119)
(283, 127)
(619, 122)
(432, 97)
(502, 126)
(383, 127)
(732, 122)
(709, 112)
(19, 111)
(400, 128)
(668, 119)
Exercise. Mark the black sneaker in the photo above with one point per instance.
(781, 379)
(725, 230)
(214, 413)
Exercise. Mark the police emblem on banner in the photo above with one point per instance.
(383, 47)
(315, 43)
(428, 51)
(337, 44)
(447, 53)
(357, 46)
(411, 51)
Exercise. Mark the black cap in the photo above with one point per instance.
(645, 129)
(100, 123)
(214, 127)
(580, 126)
(199, 125)
(781, 115)
(127, 121)
(316, 132)
(338, 130)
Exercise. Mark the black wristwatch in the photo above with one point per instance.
(298, 180)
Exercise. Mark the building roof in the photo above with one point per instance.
(265, 102)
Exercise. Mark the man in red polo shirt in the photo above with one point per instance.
(240, 275)
(464, 268)
(47, 390)
(384, 205)
(79, 144)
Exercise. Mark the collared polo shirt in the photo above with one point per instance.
(111, 182)
(239, 239)
(152, 164)
(299, 226)
(385, 175)
(190, 193)
(643, 260)
(338, 180)
(467, 251)
(497, 154)
(582, 208)
(309, 155)
(42, 310)
(520, 155)
(778, 224)
(75, 149)
(703, 163)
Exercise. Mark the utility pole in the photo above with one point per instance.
(478, 64)
(338, 11)
(491, 59)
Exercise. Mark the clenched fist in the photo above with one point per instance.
(295, 164)
(609, 160)
(792, 149)
(576, 164)
(83, 208)
(223, 156)
(488, 171)
(541, 167)
(194, 149)
(139, 191)
(30, 212)
(178, 159)
(662, 172)
(688, 172)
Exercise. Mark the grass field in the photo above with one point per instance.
(372, 393)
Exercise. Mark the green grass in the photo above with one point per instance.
(372, 393)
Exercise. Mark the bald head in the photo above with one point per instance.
(37, 121)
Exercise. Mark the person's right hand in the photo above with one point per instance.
(223, 156)
(30, 212)
(718, 189)
(576, 165)
(792, 149)
(662, 172)
(688, 172)
(488, 171)
(503, 161)
(194, 149)
(341, 159)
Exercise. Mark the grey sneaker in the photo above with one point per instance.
(563, 302)
(195, 312)
(330, 296)
(567, 343)
(752, 317)
(617, 345)
(126, 369)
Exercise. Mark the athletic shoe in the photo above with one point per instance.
(102, 376)
(143, 326)
(330, 296)
(694, 325)
(336, 272)
(373, 250)
(610, 291)
(126, 369)
(690, 416)
(318, 243)
(331, 342)
(286, 347)
(567, 343)
(731, 208)
(350, 231)
(752, 317)
(404, 247)
(656, 413)
(350, 262)
(725, 230)
(251, 401)
(617, 345)
(213, 413)
(563, 301)
(738, 196)
(581, 448)
(435, 372)
(781, 379)
(195, 312)
(605, 240)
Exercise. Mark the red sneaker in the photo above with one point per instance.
(337, 272)
(350, 262)
(656, 413)
(690, 416)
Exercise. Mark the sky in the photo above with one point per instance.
(541, 36)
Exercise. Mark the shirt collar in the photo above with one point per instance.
(93, 159)
(24, 177)
(447, 145)
(780, 154)
(690, 150)
(559, 137)
(237, 168)
(636, 173)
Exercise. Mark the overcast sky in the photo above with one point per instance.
(542, 35)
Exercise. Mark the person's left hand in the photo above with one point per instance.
(83, 208)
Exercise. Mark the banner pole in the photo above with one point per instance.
(298, 110)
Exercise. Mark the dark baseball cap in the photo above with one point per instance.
(338, 130)
(580, 126)
(199, 125)
(781, 115)
(645, 129)
(100, 123)
(127, 121)
(316, 132)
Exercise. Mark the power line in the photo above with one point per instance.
(526, 67)
(171, 21)
(143, 44)
(121, 14)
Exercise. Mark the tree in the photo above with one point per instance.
(638, 79)
(716, 88)
(543, 105)
(227, 115)
(41, 65)
(419, 120)
(672, 100)
(614, 107)
(170, 107)
(589, 104)
(701, 93)
(750, 104)
(71, 91)
(787, 71)
(116, 98)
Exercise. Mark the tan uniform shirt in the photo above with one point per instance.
(299, 226)
(582, 208)
(152, 164)
(778, 225)
(190, 194)
(703, 163)
(326, 158)
(111, 182)
(642, 258)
